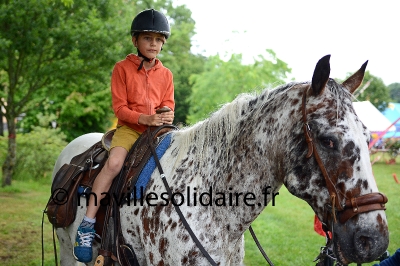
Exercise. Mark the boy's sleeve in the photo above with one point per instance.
(394, 260)
(119, 97)
(169, 99)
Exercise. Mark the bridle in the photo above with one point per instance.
(351, 206)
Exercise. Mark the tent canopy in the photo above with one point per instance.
(371, 117)
(392, 112)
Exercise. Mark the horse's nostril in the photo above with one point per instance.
(364, 242)
(367, 246)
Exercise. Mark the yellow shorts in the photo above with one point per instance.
(124, 137)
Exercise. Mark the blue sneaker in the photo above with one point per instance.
(83, 244)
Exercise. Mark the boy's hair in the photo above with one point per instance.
(150, 20)
(136, 35)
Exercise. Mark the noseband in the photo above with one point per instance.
(351, 207)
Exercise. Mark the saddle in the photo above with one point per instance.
(81, 173)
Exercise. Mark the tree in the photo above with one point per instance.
(394, 91)
(222, 81)
(59, 58)
(374, 90)
(53, 51)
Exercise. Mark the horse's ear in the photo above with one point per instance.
(353, 82)
(321, 75)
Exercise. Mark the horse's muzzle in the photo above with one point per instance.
(368, 246)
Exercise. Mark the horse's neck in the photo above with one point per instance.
(238, 154)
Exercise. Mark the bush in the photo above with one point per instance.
(394, 148)
(37, 152)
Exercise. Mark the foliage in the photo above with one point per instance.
(222, 81)
(81, 111)
(394, 91)
(374, 90)
(37, 153)
(191, 65)
(394, 147)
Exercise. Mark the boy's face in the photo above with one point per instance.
(149, 43)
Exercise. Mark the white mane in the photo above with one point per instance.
(229, 114)
(219, 123)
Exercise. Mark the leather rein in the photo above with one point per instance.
(351, 207)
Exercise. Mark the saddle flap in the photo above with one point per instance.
(62, 205)
(61, 208)
(66, 174)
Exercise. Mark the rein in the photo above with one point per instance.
(351, 207)
(177, 209)
(184, 221)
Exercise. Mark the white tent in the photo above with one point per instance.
(372, 118)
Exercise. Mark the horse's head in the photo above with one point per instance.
(332, 169)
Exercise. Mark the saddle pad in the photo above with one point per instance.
(144, 176)
(148, 169)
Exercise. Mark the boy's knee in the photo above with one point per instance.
(114, 165)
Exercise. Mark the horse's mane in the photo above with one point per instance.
(245, 105)
(220, 122)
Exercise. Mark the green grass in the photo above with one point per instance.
(287, 234)
(22, 206)
(286, 230)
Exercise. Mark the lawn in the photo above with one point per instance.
(284, 230)
(22, 206)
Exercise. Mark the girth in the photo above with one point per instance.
(353, 206)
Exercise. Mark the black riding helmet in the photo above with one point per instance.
(149, 20)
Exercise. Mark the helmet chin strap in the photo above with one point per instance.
(144, 59)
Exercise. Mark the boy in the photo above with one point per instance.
(140, 85)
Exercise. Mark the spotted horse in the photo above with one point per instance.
(304, 135)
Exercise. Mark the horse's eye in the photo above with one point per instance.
(329, 143)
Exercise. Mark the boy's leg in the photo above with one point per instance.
(103, 181)
(102, 184)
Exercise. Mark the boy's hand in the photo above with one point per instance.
(166, 117)
(158, 119)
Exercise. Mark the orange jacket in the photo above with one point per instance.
(140, 92)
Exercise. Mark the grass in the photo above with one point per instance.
(20, 224)
(285, 230)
